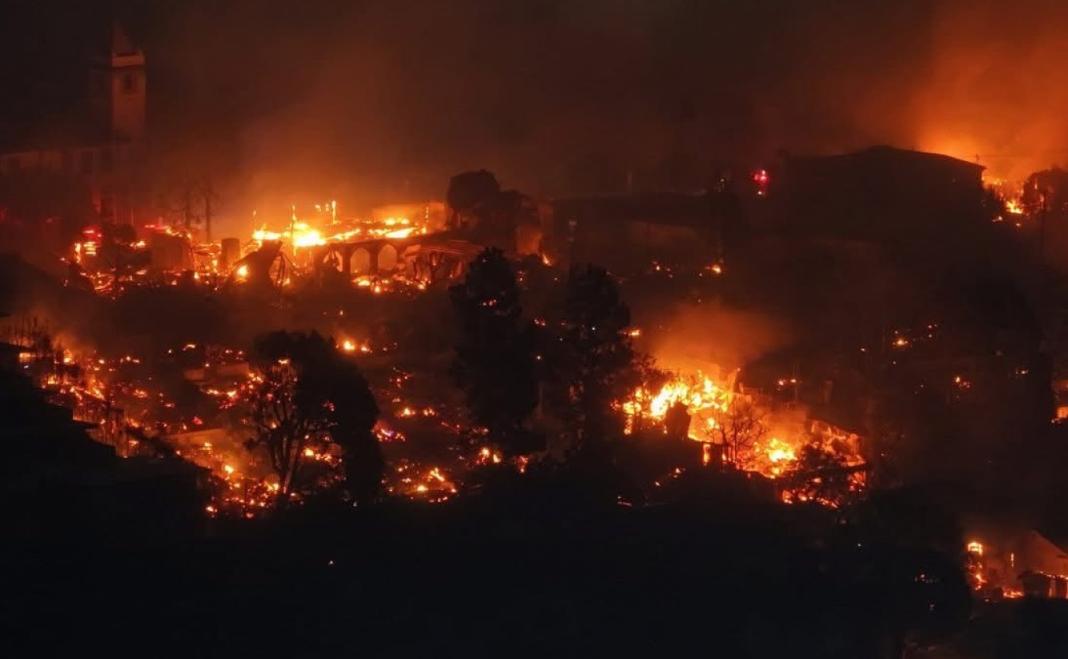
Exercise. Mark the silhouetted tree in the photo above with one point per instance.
(677, 421)
(738, 429)
(905, 549)
(596, 365)
(190, 202)
(490, 215)
(469, 191)
(278, 425)
(354, 415)
(312, 395)
(822, 477)
(1047, 192)
(495, 364)
(915, 437)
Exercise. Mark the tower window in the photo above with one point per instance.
(129, 83)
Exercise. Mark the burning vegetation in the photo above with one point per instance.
(840, 375)
(230, 410)
(234, 412)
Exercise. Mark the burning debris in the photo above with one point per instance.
(379, 253)
(1013, 564)
(741, 431)
(215, 399)
(792, 375)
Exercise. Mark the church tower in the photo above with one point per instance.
(117, 89)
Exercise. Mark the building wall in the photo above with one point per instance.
(878, 193)
(109, 157)
(109, 171)
(626, 234)
(127, 90)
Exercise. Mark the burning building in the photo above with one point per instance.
(1016, 562)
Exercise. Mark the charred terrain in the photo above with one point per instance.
(652, 402)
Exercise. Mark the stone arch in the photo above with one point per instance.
(387, 258)
(360, 262)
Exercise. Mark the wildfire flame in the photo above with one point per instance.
(711, 405)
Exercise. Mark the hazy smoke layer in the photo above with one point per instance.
(374, 101)
(708, 337)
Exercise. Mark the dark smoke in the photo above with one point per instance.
(379, 101)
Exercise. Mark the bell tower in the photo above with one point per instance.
(117, 89)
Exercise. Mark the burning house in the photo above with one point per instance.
(1010, 563)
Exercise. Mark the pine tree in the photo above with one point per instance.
(596, 365)
(495, 364)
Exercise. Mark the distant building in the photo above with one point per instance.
(1011, 561)
(877, 192)
(101, 145)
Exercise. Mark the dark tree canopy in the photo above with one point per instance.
(313, 393)
(495, 361)
(471, 189)
(1047, 191)
(596, 365)
(489, 215)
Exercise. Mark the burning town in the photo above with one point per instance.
(493, 328)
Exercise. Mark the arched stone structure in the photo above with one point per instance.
(360, 262)
(426, 258)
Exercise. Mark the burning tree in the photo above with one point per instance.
(596, 366)
(279, 427)
(495, 365)
(739, 429)
(821, 476)
(311, 396)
